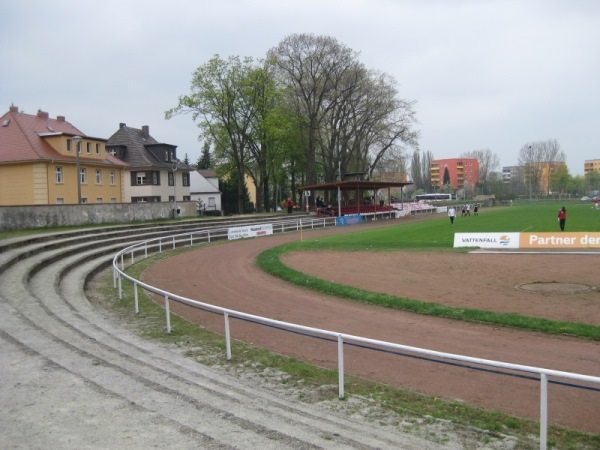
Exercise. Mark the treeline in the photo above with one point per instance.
(306, 113)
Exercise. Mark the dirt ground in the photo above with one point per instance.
(226, 275)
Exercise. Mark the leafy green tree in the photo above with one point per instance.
(446, 179)
(221, 102)
(205, 161)
(559, 179)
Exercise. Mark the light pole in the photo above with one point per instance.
(530, 174)
(77, 141)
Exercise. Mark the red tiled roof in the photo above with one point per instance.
(20, 138)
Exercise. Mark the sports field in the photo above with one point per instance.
(423, 293)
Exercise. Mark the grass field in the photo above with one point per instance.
(438, 234)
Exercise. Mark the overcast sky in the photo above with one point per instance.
(484, 74)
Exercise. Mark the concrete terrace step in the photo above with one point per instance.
(73, 378)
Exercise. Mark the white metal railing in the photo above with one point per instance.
(341, 338)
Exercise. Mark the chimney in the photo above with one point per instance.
(145, 131)
(14, 109)
(121, 126)
(60, 118)
(42, 114)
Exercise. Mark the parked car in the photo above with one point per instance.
(586, 199)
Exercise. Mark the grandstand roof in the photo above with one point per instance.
(353, 185)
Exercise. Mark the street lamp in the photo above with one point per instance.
(77, 141)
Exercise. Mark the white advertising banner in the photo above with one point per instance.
(486, 240)
(249, 231)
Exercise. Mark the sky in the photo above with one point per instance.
(488, 74)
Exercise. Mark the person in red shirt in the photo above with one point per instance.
(290, 205)
(562, 218)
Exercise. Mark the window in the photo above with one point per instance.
(113, 200)
(187, 198)
(84, 201)
(83, 176)
(171, 198)
(98, 176)
(171, 178)
(185, 177)
(60, 201)
(167, 155)
(212, 202)
(58, 175)
(112, 178)
(145, 178)
(88, 147)
(99, 200)
(145, 199)
(78, 147)
(68, 145)
(97, 148)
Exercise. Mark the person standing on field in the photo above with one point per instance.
(562, 218)
(452, 215)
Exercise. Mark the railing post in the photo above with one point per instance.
(167, 313)
(146, 249)
(340, 366)
(543, 411)
(132, 258)
(122, 262)
(115, 275)
(160, 245)
(227, 335)
(120, 287)
(135, 297)
(173, 242)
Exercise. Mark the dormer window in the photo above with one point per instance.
(167, 155)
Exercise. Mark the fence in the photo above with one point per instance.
(342, 339)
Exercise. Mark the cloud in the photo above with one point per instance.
(492, 74)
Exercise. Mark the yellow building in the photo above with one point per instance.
(591, 165)
(40, 159)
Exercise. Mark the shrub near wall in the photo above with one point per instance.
(14, 218)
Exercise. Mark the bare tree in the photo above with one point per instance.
(426, 159)
(538, 160)
(366, 120)
(310, 68)
(488, 162)
(416, 170)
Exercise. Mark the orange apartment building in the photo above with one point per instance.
(461, 170)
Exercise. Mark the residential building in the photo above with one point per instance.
(591, 165)
(463, 172)
(155, 173)
(511, 174)
(45, 161)
(204, 188)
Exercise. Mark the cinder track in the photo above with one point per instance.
(72, 378)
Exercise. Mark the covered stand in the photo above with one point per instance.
(350, 199)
